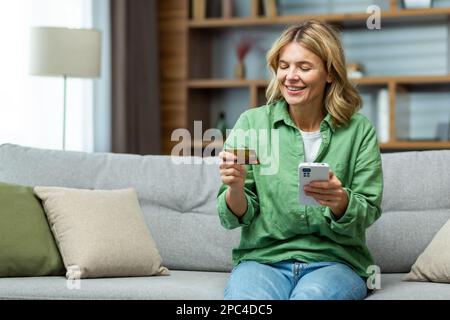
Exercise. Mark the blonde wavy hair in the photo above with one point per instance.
(341, 97)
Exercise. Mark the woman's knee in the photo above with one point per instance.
(335, 282)
(251, 280)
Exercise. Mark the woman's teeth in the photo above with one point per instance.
(295, 88)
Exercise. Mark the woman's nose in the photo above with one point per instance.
(292, 75)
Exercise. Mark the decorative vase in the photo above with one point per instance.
(239, 70)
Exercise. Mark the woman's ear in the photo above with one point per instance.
(329, 80)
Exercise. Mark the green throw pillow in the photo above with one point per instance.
(27, 246)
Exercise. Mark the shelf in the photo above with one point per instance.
(336, 18)
(224, 83)
(231, 83)
(385, 80)
(415, 145)
(421, 79)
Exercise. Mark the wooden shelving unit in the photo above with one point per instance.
(187, 83)
(415, 145)
(393, 14)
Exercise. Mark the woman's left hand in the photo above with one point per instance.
(329, 193)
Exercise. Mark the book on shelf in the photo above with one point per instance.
(198, 9)
(383, 116)
(403, 116)
(227, 9)
(270, 8)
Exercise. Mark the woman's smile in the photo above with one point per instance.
(295, 90)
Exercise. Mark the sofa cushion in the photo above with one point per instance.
(393, 288)
(397, 238)
(434, 263)
(100, 233)
(186, 285)
(27, 247)
(181, 285)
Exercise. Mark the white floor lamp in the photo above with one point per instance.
(65, 52)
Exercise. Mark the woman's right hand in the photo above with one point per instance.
(231, 173)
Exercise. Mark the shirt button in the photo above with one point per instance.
(302, 216)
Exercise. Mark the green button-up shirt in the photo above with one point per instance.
(276, 226)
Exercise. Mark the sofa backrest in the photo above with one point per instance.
(416, 204)
(417, 180)
(179, 200)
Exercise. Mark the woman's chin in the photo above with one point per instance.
(292, 101)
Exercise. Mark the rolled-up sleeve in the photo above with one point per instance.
(227, 218)
(365, 191)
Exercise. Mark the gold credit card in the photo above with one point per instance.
(244, 155)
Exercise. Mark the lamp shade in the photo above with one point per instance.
(62, 51)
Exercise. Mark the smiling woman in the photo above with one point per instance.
(290, 250)
(31, 107)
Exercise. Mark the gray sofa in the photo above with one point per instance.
(179, 204)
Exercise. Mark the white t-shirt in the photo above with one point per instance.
(311, 144)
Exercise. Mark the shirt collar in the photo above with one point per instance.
(329, 121)
(280, 113)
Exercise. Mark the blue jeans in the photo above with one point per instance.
(292, 280)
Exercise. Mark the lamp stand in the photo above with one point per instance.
(64, 115)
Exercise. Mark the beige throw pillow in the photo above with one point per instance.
(434, 263)
(100, 233)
